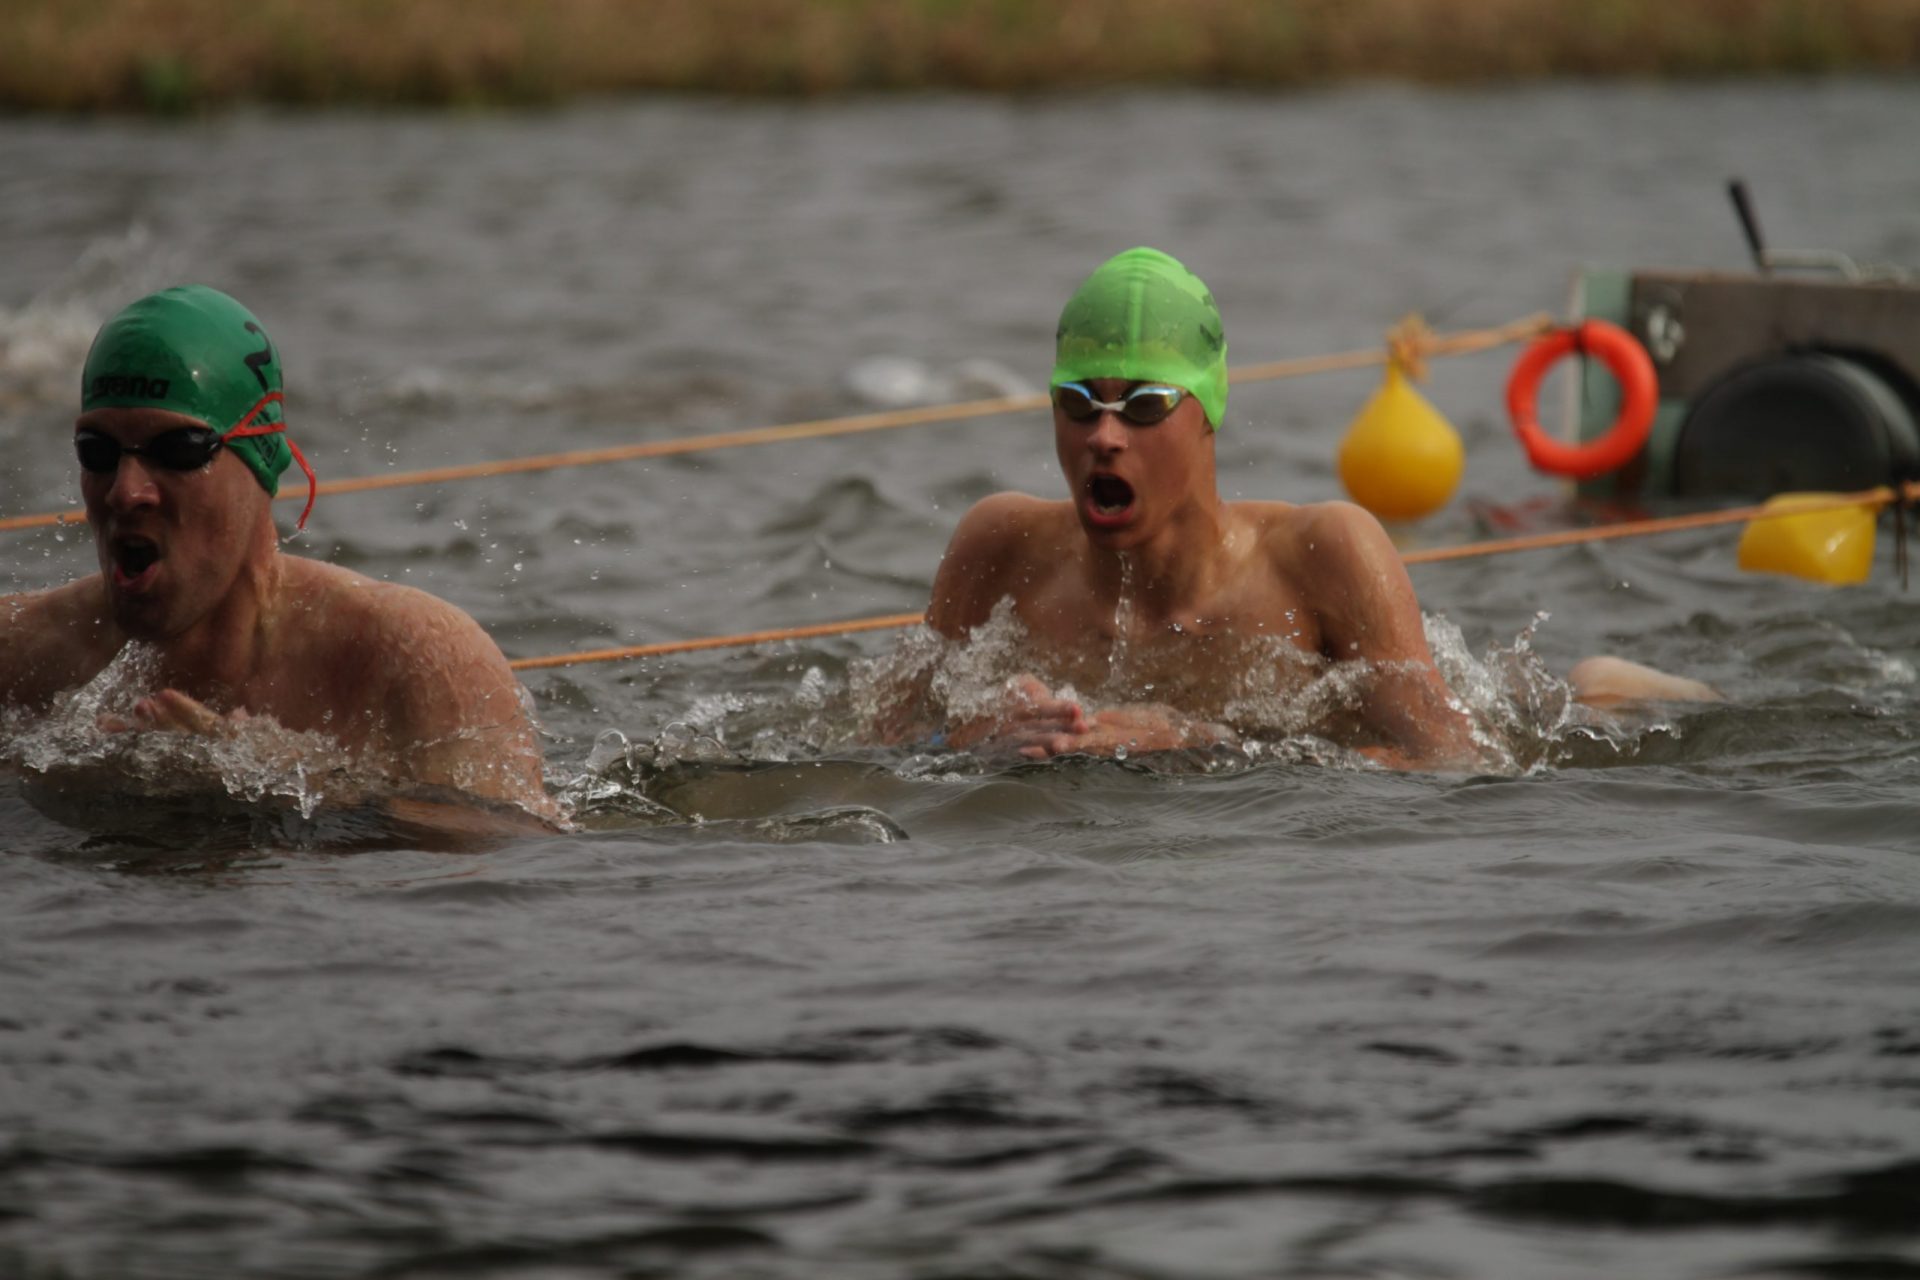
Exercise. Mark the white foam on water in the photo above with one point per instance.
(1281, 701)
(899, 382)
(257, 760)
(43, 342)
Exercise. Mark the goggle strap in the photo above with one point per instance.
(247, 427)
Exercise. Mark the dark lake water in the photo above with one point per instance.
(791, 1006)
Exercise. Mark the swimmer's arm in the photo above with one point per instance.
(171, 711)
(49, 641)
(1132, 729)
(1368, 612)
(454, 822)
(967, 585)
(1030, 719)
(452, 707)
(980, 565)
(13, 650)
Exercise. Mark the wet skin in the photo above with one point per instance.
(190, 565)
(1202, 575)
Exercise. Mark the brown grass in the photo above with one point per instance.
(174, 55)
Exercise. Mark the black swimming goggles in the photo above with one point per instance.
(183, 449)
(1143, 406)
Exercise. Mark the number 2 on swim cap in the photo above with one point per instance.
(261, 358)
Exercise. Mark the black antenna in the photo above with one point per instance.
(1737, 191)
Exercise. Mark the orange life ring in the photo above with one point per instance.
(1630, 366)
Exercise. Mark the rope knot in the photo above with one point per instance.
(1408, 344)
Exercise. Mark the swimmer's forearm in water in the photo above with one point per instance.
(1416, 722)
(174, 712)
(1037, 723)
(457, 818)
(1131, 730)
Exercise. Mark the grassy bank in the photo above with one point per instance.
(175, 55)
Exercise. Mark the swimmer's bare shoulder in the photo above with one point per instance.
(447, 705)
(1337, 560)
(1004, 546)
(1351, 578)
(52, 640)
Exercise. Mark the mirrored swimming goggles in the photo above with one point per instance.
(1143, 406)
(184, 449)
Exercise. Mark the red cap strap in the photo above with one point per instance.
(247, 427)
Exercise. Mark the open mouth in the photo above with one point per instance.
(1109, 498)
(134, 560)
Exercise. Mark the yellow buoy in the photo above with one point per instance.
(1401, 459)
(1826, 543)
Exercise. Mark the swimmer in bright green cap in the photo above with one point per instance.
(1142, 317)
(1157, 600)
(181, 442)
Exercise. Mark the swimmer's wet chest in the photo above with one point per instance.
(1250, 608)
(317, 681)
(1185, 656)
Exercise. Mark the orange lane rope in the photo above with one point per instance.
(1465, 342)
(891, 622)
(1906, 493)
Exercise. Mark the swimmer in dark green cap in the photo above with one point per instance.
(195, 352)
(1147, 561)
(181, 443)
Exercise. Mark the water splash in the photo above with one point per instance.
(1281, 703)
(1284, 703)
(1122, 623)
(256, 761)
(610, 792)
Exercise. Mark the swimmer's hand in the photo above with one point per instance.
(1035, 722)
(1133, 729)
(171, 711)
(1028, 711)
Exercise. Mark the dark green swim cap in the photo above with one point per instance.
(194, 350)
(1144, 317)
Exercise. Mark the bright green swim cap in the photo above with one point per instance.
(1144, 317)
(194, 350)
